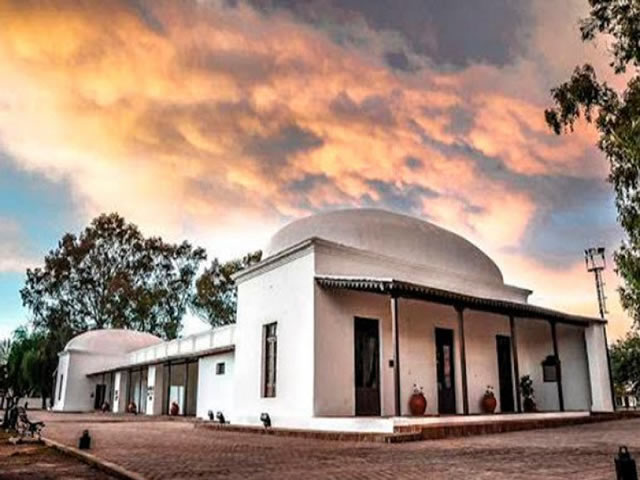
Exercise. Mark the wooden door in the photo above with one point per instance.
(367, 366)
(505, 376)
(445, 371)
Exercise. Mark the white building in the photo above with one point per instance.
(346, 312)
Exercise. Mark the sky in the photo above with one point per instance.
(218, 121)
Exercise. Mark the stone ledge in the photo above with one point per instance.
(397, 437)
(412, 433)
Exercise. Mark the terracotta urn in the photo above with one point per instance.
(132, 408)
(489, 403)
(529, 405)
(417, 404)
(175, 409)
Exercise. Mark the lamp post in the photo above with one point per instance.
(596, 262)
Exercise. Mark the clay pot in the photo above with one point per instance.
(489, 404)
(417, 404)
(529, 405)
(175, 409)
(132, 408)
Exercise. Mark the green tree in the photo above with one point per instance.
(111, 276)
(625, 363)
(616, 116)
(216, 294)
(5, 348)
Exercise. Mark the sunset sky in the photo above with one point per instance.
(218, 121)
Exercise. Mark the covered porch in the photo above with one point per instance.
(454, 346)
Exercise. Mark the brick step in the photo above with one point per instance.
(412, 433)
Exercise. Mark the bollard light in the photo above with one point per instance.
(220, 417)
(625, 465)
(265, 419)
(210, 414)
(85, 441)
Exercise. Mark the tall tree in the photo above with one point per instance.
(625, 363)
(5, 349)
(216, 294)
(111, 276)
(616, 116)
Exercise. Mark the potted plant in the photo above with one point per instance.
(526, 389)
(175, 409)
(132, 408)
(489, 401)
(417, 402)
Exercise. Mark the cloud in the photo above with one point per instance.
(219, 120)
(14, 257)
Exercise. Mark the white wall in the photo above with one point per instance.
(334, 345)
(78, 389)
(534, 345)
(575, 371)
(283, 295)
(121, 384)
(215, 392)
(61, 380)
(155, 389)
(481, 330)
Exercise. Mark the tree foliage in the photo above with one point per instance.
(625, 363)
(216, 295)
(111, 276)
(616, 116)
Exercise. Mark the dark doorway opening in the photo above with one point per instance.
(503, 345)
(445, 371)
(367, 366)
(101, 391)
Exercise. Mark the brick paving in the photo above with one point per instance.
(164, 449)
(29, 461)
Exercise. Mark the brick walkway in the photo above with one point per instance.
(175, 450)
(28, 461)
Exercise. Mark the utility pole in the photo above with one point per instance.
(596, 262)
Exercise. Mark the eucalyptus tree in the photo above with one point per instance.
(616, 116)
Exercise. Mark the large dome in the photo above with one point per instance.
(111, 341)
(398, 236)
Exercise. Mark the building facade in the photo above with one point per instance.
(349, 312)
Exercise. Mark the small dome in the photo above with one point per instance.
(398, 236)
(113, 341)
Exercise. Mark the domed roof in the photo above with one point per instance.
(113, 341)
(398, 236)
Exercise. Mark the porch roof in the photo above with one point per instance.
(178, 358)
(403, 289)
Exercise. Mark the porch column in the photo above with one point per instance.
(395, 334)
(516, 367)
(463, 360)
(168, 387)
(554, 339)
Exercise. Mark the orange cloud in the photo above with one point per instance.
(218, 123)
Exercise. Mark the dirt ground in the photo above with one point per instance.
(30, 461)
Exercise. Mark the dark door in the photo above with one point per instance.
(446, 374)
(100, 394)
(367, 366)
(503, 344)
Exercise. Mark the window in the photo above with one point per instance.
(269, 352)
(60, 387)
(220, 367)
